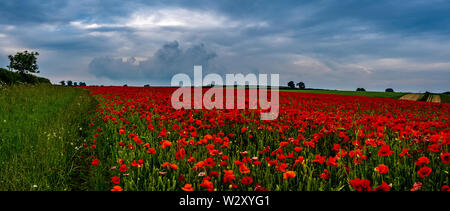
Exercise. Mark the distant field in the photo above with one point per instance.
(394, 95)
(445, 98)
(40, 126)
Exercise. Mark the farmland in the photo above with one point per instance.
(130, 138)
(324, 142)
(394, 95)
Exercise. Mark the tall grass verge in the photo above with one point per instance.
(42, 130)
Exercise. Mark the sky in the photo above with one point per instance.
(404, 45)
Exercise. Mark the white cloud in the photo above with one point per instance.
(151, 18)
(405, 65)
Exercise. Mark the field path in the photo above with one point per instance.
(413, 97)
(434, 99)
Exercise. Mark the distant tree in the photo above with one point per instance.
(360, 89)
(301, 85)
(24, 62)
(63, 83)
(75, 84)
(69, 83)
(147, 85)
(291, 85)
(389, 90)
(82, 84)
(125, 85)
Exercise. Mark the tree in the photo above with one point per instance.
(291, 85)
(389, 90)
(75, 84)
(360, 89)
(301, 85)
(147, 85)
(82, 84)
(24, 62)
(63, 83)
(69, 83)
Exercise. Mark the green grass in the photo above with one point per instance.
(41, 133)
(394, 95)
(445, 98)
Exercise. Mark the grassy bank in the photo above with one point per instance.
(41, 131)
(394, 95)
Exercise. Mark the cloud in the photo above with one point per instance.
(167, 61)
(339, 45)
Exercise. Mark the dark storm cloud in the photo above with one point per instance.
(328, 44)
(169, 60)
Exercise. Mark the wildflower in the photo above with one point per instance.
(405, 152)
(123, 168)
(319, 159)
(297, 149)
(229, 176)
(385, 150)
(187, 187)
(151, 151)
(361, 184)
(382, 169)
(95, 162)
(325, 175)
(424, 171)
(422, 160)
(383, 187)
(166, 143)
(445, 157)
(247, 180)
(332, 162)
(259, 188)
(289, 174)
(284, 144)
(243, 169)
(115, 179)
(208, 185)
(117, 188)
(417, 186)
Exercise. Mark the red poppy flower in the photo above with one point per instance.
(424, 171)
(383, 187)
(361, 184)
(382, 169)
(445, 157)
(115, 179)
(417, 186)
(422, 160)
(247, 180)
(208, 185)
(325, 175)
(95, 162)
(187, 187)
(289, 174)
(385, 150)
(117, 188)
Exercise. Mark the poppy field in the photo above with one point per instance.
(319, 142)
